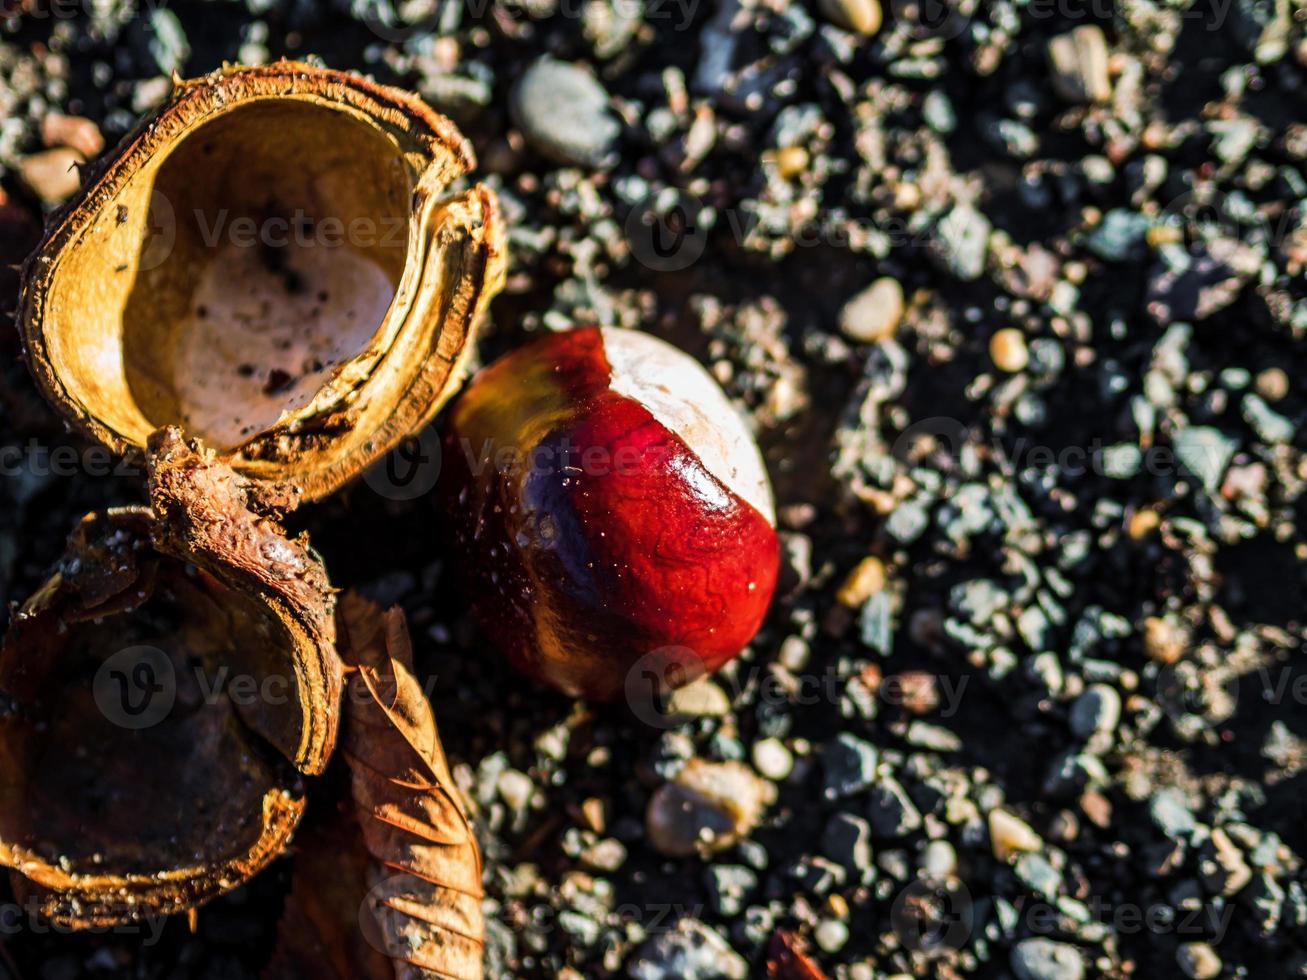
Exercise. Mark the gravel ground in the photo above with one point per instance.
(1011, 291)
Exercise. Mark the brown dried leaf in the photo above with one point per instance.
(425, 881)
(786, 959)
(322, 934)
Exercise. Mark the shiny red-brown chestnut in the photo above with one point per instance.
(610, 512)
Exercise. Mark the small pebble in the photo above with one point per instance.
(831, 935)
(791, 161)
(1097, 710)
(1164, 639)
(1009, 835)
(1044, 959)
(1008, 351)
(729, 886)
(515, 789)
(865, 580)
(847, 841)
(1198, 960)
(1205, 452)
(700, 699)
(873, 314)
(562, 110)
(1272, 384)
(772, 759)
(606, 856)
(939, 859)
(1079, 63)
(688, 951)
(52, 174)
(709, 806)
(77, 132)
(850, 766)
(860, 16)
(961, 242)
(890, 811)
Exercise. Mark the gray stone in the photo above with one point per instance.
(850, 766)
(691, 951)
(1097, 710)
(1034, 871)
(729, 887)
(1119, 237)
(848, 840)
(891, 812)
(1170, 812)
(1205, 452)
(874, 313)
(562, 110)
(1079, 64)
(1044, 959)
(1198, 960)
(962, 241)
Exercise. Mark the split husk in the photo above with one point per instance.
(405, 870)
(274, 262)
(165, 691)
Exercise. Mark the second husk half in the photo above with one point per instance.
(267, 286)
(134, 780)
(275, 262)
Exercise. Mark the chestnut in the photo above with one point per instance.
(610, 513)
